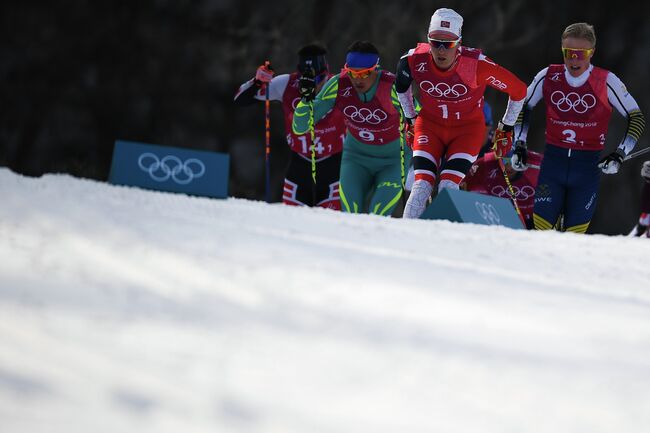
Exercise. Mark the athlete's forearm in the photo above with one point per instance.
(522, 124)
(396, 99)
(512, 112)
(406, 103)
(302, 118)
(635, 127)
(403, 88)
(534, 94)
(621, 99)
(246, 93)
(253, 90)
(403, 78)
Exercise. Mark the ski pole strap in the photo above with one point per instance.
(510, 189)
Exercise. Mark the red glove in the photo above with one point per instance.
(502, 140)
(409, 131)
(264, 73)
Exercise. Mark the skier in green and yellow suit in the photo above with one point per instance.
(374, 155)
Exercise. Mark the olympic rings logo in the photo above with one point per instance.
(488, 213)
(523, 193)
(441, 90)
(573, 101)
(365, 115)
(294, 103)
(171, 167)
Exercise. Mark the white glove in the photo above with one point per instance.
(645, 171)
(612, 162)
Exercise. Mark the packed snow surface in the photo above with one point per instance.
(124, 310)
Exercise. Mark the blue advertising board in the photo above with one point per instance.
(172, 169)
(471, 207)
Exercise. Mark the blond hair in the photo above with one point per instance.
(580, 31)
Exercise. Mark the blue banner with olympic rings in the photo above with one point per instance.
(471, 207)
(172, 169)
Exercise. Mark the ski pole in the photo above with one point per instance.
(267, 125)
(401, 161)
(510, 189)
(313, 152)
(637, 153)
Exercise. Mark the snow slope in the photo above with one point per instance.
(123, 310)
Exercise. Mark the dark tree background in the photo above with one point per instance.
(77, 75)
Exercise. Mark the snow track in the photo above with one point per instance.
(135, 311)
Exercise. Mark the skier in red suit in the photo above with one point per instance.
(451, 80)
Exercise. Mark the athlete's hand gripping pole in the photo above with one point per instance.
(502, 141)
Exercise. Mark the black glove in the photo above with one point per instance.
(307, 85)
(519, 156)
(612, 162)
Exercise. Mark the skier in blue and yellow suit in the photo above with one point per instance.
(579, 99)
(374, 154)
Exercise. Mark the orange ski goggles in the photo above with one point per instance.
(359, 73)
(577, 53)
